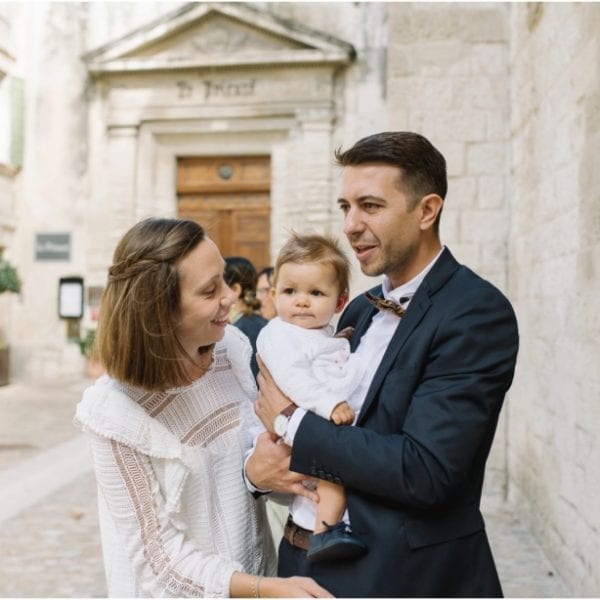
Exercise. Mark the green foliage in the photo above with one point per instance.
(86, 343)
(9, 280)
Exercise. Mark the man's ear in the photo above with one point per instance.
(342, 301)
(431, 205)
(237, 288)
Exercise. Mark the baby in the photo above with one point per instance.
(312, 367)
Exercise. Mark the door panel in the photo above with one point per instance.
(229, 197)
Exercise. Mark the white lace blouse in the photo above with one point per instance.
(175, 516)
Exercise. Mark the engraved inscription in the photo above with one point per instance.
(217, 89)
(185, 89)
(228, 89)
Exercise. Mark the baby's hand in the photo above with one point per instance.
(342, 414)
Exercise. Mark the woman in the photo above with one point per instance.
(169, 425)
(240, 276)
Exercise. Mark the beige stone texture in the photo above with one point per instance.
(554, 450)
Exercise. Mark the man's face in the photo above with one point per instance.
(384, 235)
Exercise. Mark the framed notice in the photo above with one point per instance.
(53, 246)
(70, 298)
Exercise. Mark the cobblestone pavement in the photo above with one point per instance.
(49, 540)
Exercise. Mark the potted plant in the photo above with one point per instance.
(9, 282)
(93, 368)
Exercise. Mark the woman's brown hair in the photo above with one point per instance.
(136, 339)
(241, 271)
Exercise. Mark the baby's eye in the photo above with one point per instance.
(288, 291)
(317, 293)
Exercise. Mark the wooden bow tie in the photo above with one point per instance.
(383, 304)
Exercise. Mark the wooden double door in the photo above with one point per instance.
(230, 197)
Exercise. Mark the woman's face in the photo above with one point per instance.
(205, 298)
(263, 293)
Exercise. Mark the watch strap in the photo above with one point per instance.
(289, 410)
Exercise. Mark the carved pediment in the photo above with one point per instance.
(218, 34)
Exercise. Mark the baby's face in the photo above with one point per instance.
(307, 294)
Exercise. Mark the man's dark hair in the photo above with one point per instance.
(423, 167)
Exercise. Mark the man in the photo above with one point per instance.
(263, 293)
(437, 373)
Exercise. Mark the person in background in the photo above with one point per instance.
(240, 276)
(169, 426)
(439, 345)
(263, 293)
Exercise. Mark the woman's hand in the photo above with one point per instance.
(271, 400)
(291, 587)
(244, 585)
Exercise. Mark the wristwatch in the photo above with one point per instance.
(280, 424)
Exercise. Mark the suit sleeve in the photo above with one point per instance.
(449, 424)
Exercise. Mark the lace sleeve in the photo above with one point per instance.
(163, 561)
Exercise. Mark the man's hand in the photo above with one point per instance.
(342, 414)
(268, 468)
(271, 400)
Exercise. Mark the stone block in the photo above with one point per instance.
(491, 192)
(454, 152)
(484, 226)
(461, 124)
(487, 158)
(462, 193)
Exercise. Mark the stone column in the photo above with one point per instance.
(114, 209)
(309, 206)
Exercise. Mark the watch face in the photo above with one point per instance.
(280, 425)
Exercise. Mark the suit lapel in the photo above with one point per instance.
(418, 307)
(364, 321)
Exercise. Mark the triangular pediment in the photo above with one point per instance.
(218, 34)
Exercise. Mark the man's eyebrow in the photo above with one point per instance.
(364, 198)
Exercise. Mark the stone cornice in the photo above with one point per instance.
(298, 44)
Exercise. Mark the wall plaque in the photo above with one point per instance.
(53, 246)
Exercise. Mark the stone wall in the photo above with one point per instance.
(554, 282)
(448, 78)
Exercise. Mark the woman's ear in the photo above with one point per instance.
(342, 300)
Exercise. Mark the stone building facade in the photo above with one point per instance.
(231, 111)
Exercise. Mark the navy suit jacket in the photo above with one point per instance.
(413, 467)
